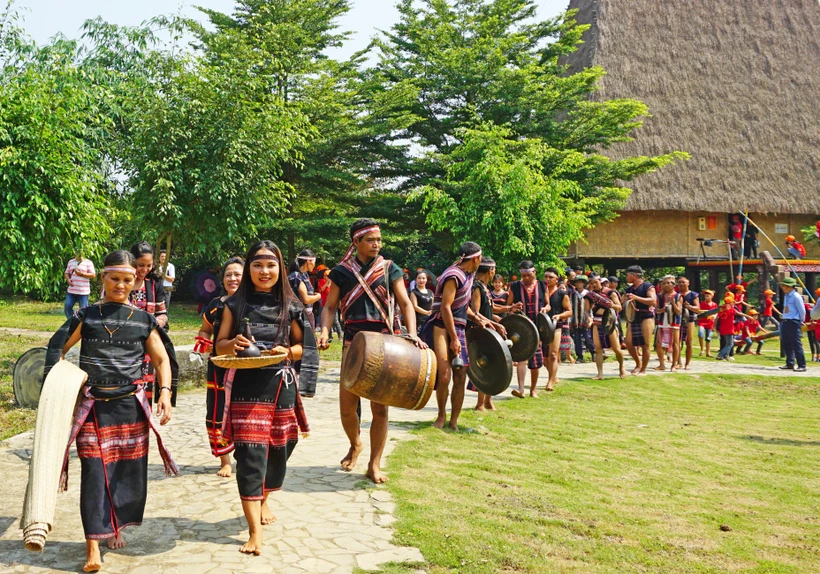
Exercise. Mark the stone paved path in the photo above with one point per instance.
(327, 521)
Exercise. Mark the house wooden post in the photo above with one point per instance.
(714, 282)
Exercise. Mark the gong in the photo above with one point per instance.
(27, 377)
(709, 313)
(609, 321)
(630, 312)
(670, 314)
(546, 328)
(491, 365)
(524, 335)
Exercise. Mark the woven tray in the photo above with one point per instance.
(233, 362)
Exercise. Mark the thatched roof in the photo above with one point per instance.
(736, 83)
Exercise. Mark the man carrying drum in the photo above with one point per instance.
(358, 288)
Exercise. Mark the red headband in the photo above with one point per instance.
(356, 235)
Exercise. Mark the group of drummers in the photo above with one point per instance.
(472, 329)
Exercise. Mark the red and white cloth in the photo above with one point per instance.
(79, 285)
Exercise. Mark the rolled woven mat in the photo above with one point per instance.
(51, 434)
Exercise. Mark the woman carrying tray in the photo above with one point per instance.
(263, 408)
(215, 394)
(113, 415)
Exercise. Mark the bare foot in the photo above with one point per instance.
(453, 426)
(438, 423)
(480, 408)
(674, 369)
(349, 461)
(686, 368)
(550, 386)
(116, 542)
(533, 394)
(640, 374)
(660, 368)
(225, 470)
(267, 515)
(623, 373)
(489, 405)
(598, 378)
(93, 561)
(708, 355)
(374, 473)
(253, 545)
(635, 371)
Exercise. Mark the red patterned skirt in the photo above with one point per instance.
(215, 401)
(112, 444)
(264, 416)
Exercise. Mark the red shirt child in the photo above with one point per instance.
(726, 325)
(707, 322)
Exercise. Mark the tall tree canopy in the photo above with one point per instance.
(489, 71)
(53, 195)
(350, 115)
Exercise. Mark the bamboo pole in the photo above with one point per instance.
(796, 276)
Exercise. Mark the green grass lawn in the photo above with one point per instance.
(620, 476)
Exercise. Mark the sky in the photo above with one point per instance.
(42, 19)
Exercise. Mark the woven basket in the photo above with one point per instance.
(233, 362)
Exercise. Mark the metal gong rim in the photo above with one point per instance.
(524, 335)
(546, 328)
(490, 368)
(609, 321)
(630, 312)
(27, 377)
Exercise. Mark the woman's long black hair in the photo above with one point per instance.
(144, 248)
(282, 293)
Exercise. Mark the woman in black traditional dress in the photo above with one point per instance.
(148, 294)
(264, 413)
(422, 299)
(299, 278)
(113, 415)
(215, 394)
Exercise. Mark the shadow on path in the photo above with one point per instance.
(154, 536)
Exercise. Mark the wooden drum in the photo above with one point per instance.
(389, 370)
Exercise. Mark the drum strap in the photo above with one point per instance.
(387, 316)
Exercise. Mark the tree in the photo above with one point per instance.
(53, 194)
(351, 115)
(202, 142)
(488, 71)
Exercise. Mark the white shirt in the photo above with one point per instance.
(170, 272)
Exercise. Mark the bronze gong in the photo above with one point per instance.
(524, 335)
(27, 377)
(491, 365)
(630, 311)
(609, 321)
(546, 328)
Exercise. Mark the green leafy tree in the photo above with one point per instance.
(202, 141)
(351, 115)
(488, 71)
(52, 190)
